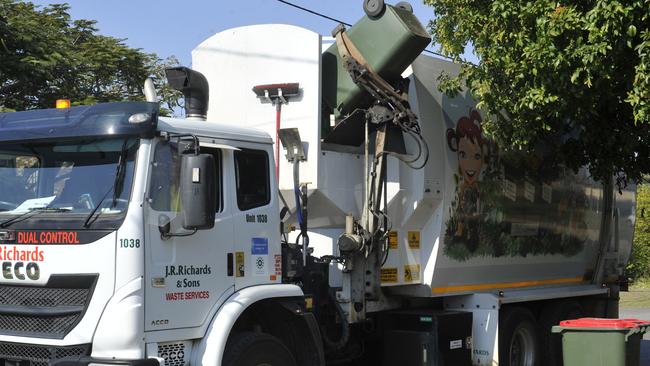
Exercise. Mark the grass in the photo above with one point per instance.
(638, 296)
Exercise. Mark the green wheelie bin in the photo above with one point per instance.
(601, 342)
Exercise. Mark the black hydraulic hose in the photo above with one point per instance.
(345, 328)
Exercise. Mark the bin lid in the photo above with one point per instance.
(601, 323)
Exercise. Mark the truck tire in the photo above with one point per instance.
(518, 338)
(551, 315)
(257, 349)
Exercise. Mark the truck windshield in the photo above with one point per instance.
(64, 181)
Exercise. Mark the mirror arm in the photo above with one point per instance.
(180, 136)
(167, 236)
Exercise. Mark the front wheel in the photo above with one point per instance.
(257, 349)
(518, 338)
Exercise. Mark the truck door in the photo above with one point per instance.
(255, 216)
(186, 273)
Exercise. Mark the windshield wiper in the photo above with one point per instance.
(116, 188)
(30, 213)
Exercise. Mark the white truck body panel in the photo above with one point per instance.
(266, 54)
(421, 202)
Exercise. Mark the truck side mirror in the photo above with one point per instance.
(198, 191)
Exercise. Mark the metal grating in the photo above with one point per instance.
(172, 353)
(43, 296)
(40, 355)
(37, 325)
(48, 312)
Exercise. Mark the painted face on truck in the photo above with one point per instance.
(470, 159)
(467, 140)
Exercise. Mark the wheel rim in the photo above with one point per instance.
(522, 347)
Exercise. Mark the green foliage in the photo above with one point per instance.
(573, 76)
(169, 97)
(45, 55)
(639, 265)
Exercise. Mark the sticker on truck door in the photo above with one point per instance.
(260, 256)
(240, 266)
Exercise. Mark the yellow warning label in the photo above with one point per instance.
(388, 275)
(392, 240)
(240, 270)
(411, 273)
(309, 303)
(414, 239)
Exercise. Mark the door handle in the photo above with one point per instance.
(230, 265)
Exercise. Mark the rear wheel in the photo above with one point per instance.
(257, 349)
(518, 338)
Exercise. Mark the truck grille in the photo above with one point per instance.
(46, 312)
(42, 296)
(39, 355)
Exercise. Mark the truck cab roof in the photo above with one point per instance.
(213, 129)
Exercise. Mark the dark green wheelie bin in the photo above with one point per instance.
(601, 342)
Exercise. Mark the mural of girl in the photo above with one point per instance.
(500, 208)
(468, 142)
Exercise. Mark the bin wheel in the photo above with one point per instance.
(518, 338)
(404, 5)
(551, 315)
(373, 8)
(257, 349)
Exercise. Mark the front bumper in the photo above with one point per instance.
(38, 355)
(87, 360)
(25, 354)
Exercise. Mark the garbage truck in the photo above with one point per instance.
(321, 203)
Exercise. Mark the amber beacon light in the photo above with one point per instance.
(62, 103)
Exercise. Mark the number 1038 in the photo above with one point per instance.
(129, 243)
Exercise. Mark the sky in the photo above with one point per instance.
(172, 27)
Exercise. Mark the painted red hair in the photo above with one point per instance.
(467, 126)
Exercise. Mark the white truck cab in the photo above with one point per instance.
(84, 189)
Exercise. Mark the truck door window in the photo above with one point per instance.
(252, 177)
(164, 187)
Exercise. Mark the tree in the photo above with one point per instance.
(45, 55)
(564, 78)
(170, 99)
(639, 265)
